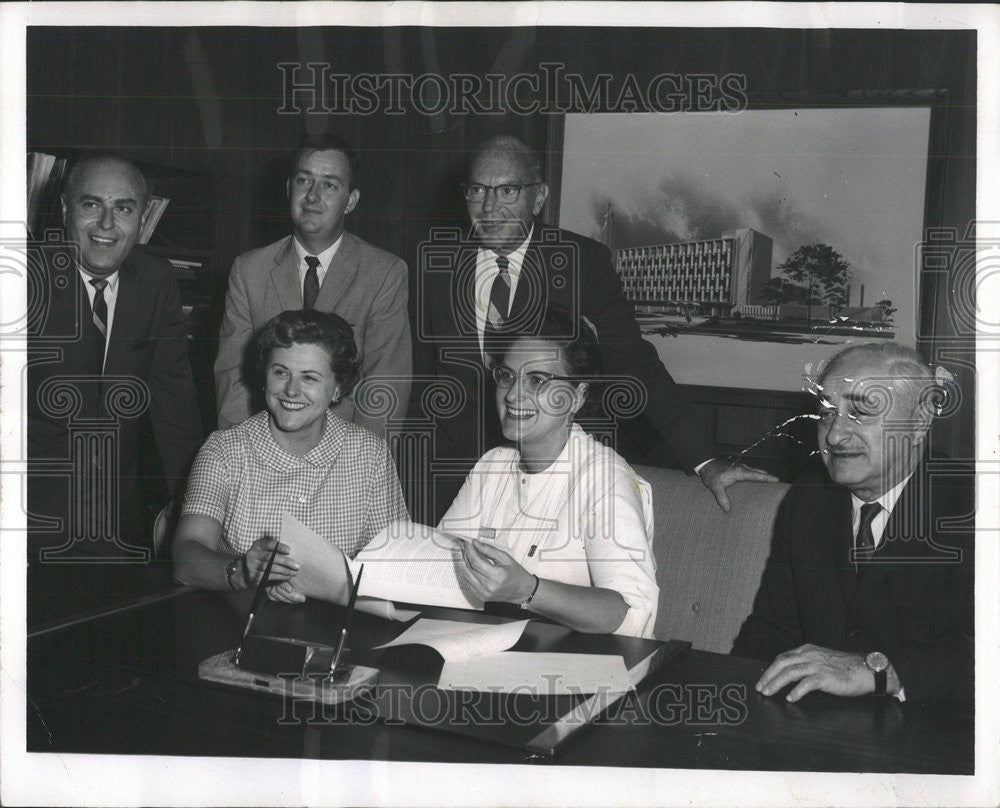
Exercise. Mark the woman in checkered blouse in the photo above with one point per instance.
(296, 456)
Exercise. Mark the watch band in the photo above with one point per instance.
(880, 682)
(231, 569)
(524, 604)
(877, 663)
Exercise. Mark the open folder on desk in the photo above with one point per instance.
(405, 562)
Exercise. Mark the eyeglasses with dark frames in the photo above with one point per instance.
(506, 194)
(533, 381)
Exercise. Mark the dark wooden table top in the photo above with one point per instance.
(126, 683)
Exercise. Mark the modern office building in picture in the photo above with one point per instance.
(716, 277)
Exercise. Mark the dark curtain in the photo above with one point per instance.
(206, 101)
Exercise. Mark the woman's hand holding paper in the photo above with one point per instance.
(493, 575)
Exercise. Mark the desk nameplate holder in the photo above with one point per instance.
(268, 665)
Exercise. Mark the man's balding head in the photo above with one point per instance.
(517, 151)
(875, 412)
(104, 203)
(105, 161)
(503, 224)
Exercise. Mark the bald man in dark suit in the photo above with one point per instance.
(107, 347)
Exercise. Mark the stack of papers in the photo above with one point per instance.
(476, 658)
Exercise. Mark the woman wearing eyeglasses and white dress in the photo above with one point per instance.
(564, 526)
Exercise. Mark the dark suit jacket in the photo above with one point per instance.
(561, 270)
(363, 284)
(146, 370)
(913, 600)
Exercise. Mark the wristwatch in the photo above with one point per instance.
(231, 569)
(877, 663)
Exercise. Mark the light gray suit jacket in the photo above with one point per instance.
(363, 284)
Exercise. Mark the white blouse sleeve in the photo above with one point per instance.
(618, 533)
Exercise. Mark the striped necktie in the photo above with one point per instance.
(100, 306)
(100, 318)
(499, 308)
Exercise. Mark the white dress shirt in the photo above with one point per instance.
(888, 501)
(324, 257)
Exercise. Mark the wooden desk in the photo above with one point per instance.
(126, 683)
(60, 594)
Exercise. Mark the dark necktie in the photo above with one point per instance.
(100, 317)
(865, 543)
(310, 286)
(496, 314)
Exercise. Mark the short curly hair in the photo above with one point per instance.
(578, 348)
(329, 331)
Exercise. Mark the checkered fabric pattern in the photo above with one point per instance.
(346, 488)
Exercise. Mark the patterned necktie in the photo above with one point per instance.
(100, 318)
(866, 540)
(310, 286)
(100, 306)
(496, 314)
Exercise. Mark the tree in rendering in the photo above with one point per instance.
(814, 274)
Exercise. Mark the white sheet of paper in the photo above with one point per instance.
(323, 573)
(542, 674)
(415, 564)
(455, 640)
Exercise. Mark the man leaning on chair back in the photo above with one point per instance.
(868, 588)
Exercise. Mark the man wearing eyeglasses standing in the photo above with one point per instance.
(501, 282)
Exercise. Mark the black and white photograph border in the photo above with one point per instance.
(53, 778)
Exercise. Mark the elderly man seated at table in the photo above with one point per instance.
(868, 588)
(296, 456)
(564, 525)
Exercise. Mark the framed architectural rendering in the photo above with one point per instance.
(754, 242)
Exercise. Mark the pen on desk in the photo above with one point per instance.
(347, 622)
(258, 595)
